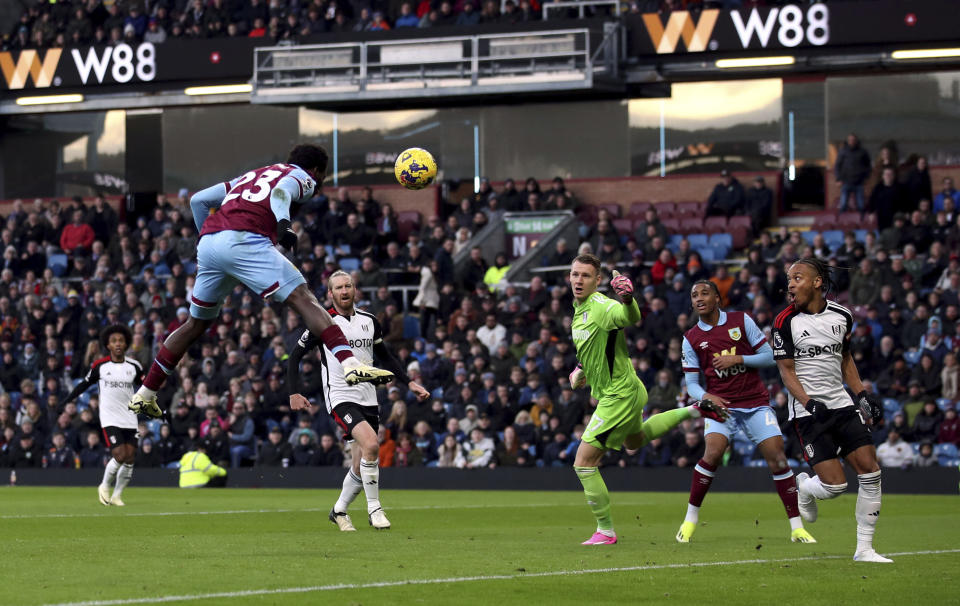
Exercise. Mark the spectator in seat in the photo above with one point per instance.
(851, 171)
(727, 197)
(949, 431)
(926, 458)
(947, 192)
(865, 284)
(77, 237)
(690, 451)
(888, 198)
(650, 218)
(895, 452)
(655, 454)
(275, 452)
(926, 423)
(407, 17)
(759, 204)
(328, 454)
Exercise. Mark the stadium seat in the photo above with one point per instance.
(739, 221)
(757, 463)
(793, 463)
(692, 225)
(637, 209)
(58, 264)
(715, 224)
(846, 221)
(809, 235)
(720, 251)
(708, 254)
(916, 447)
(744, 449)
(624, 227)
(411, 326)
(825, 221)
(673, 226)
(665, 207)
(944, 403)
(869, 222)
(349, 264)
(741, 236)
(890, 406)
(689, 209)
(946, 449)
(407, 221)
(833, 238)
(611, 207)
(723, 239)
(698, 240)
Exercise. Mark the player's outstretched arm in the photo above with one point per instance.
(630, 310)
(205, 200)
(80, 387)
(384, 356)
(305, 343)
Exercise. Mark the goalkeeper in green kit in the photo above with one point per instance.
(605, 366)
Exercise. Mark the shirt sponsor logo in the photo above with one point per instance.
(818, 350)
(361, 343)
(581, 334)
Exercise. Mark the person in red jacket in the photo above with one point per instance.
(77, 235)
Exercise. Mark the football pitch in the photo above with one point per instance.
(246, 546)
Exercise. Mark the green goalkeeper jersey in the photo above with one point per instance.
(602, 348)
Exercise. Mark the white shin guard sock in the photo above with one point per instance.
(110, 473)
(370, 475)
(123, 478)
(352, 485)
(817, 489)
(868, 508)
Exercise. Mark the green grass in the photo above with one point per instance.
(100, 553)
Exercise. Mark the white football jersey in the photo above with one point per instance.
(362, 332)
(117, 382)
(816, 343)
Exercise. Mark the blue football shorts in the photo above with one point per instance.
(228, 258)
(757, 424)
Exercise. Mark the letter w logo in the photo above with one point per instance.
(695, 36)
(29, 63)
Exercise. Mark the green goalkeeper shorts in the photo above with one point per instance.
(616, 418)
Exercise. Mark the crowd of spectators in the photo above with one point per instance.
(69, 23)
(495, 360)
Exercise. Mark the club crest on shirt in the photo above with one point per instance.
(734, 333)
(347, 418)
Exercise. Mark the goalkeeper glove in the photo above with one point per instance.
(818, 409)
(621, 284)
(870, 406)
(285, 235)
(578, 378)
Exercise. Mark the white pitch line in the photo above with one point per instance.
(148, 514)
(493, 577)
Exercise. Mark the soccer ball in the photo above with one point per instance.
(415, 168)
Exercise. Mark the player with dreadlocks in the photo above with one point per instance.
(811, 344)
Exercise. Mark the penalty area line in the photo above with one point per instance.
(470, 579)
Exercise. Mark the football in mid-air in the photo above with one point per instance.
(415, 168)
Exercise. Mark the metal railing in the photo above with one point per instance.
(580, 5)
(470, 64)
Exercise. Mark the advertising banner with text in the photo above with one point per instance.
(792, 26)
